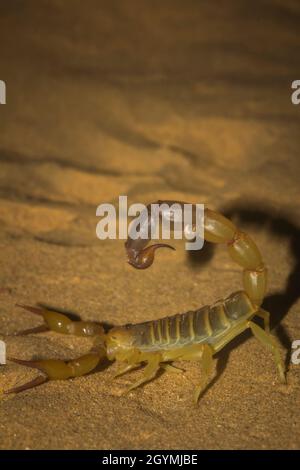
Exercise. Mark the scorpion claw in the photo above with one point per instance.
(37, 329)
(145, 258)
(41, 379)
(35, 310)
(30, 331)
(33, 383)
(31, 364)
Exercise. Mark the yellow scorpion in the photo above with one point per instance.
(192, 336)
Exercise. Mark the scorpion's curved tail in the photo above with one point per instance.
(217, 229)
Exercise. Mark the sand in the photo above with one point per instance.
(155, 100)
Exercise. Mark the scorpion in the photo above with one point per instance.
(193, 336)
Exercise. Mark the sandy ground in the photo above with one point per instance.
(162, 99)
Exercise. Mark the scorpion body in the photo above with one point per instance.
(209, 324)
(195, 335)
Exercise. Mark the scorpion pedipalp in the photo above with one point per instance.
(55, 369)
(61, 323)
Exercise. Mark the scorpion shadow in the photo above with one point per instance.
(278, 303)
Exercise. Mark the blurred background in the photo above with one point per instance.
(154, 100)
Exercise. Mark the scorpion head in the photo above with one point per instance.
(118, 341)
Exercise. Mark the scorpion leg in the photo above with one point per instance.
(204, 354)
(60, 323)
(126, 368)
(54, 369)
(196, 352)
(171, 368)
(129, 367)
(131, 362)
(266, 318)
(270, 342)
(207, 367)
(150, 371)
